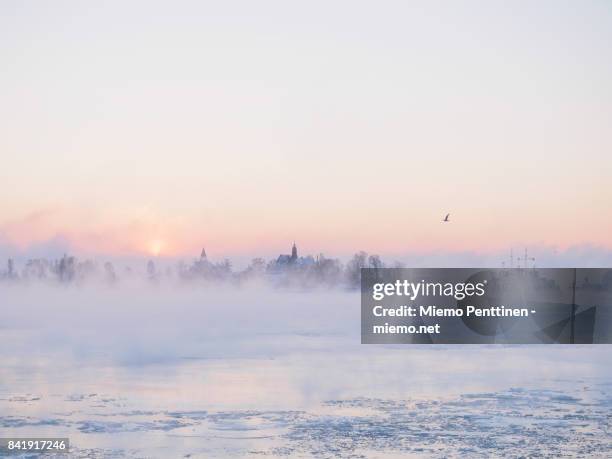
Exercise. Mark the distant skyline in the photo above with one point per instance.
(150, 128)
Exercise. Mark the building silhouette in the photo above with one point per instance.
(294, 260)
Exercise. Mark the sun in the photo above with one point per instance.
(155, 247)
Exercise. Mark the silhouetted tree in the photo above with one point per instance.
(109, 272)
(353, 268)
(151, 272)
(10, 269)
(66, 269)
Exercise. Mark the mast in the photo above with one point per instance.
(573, 316)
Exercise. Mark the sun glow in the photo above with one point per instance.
(155, 247)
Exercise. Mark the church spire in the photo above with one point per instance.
(294, 254)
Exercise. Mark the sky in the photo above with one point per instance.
(156, 128)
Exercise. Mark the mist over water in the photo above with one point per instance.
(145, 323)
(218, 371)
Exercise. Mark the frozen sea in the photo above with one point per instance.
(162, 372)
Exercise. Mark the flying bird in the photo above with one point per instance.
(446, 219)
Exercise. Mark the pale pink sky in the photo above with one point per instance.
(159, 127)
